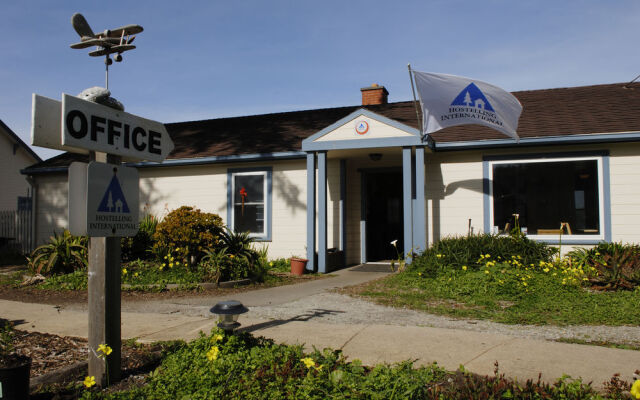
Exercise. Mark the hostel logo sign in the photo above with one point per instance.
(112, 200)
(474, 102)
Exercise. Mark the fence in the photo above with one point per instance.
(15, 230)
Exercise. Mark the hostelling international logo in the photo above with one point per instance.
(471, 103)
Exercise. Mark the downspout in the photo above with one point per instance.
(34, 204)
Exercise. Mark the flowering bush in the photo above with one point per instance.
(455, 252)
(186, 232)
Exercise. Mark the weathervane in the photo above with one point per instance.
(111, 41)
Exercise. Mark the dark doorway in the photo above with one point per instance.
(384, 218)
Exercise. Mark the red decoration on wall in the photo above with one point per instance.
(243, 194)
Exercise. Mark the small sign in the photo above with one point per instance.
(112, 200)
(362, 127)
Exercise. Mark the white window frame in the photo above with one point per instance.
(265, 204)
(601, 209)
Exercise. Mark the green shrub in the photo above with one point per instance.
(139, 246)
(280, 265)
(63, 254)
(187, 232)
(454, 252)
(241, 366)
(617, 265)
(221, 266)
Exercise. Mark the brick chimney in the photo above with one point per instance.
(374, 95)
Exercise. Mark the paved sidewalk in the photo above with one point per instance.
(371, 343)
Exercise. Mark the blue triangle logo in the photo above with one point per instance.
(113, 200)
(471, 96)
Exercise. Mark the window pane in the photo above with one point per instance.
(252, 186)
(250, 219)
(545, 194)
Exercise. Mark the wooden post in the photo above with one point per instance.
(104, 301)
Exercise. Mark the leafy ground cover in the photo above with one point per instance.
(241, 366)
(510, 279)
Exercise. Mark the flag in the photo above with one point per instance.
(449, 100)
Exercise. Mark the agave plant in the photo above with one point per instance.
(63, 254)
(239, 244)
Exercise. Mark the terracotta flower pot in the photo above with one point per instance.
(298, 265)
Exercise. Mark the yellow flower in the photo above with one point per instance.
(124, 271)
(271, 263)
(308, 362)
(464, 267)
(170, 265)
(212, 354)
(216, 338)
(89, 381)
(439, 255)
(635, 389)
(546, 270)
(165, 257)
(524, 283)
(486, 271)
(135, 275)
(104, 349)
(230, 255)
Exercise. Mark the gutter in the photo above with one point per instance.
(288, 155)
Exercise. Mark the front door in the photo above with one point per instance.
(384, 218)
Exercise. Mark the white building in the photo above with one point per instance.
(355, 178)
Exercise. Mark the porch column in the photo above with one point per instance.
(343, 209)
(407, 179)
(322, 212)
(419, 211)
(311, 210)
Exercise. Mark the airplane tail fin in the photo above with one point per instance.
(81, 25)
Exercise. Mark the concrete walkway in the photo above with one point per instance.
(372, 343)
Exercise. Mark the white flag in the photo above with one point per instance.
(449, 100)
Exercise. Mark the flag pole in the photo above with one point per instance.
(415, 101)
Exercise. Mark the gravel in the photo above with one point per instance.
(335, 308)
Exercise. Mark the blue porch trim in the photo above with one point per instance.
(407, 176)
(311, 211)
(419, 211)
(363, 218)
(322, 212)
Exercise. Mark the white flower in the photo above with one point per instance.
(394, 242)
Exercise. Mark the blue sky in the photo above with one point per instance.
(210, 59)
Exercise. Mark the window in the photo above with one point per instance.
(550, 195)
(249, 198)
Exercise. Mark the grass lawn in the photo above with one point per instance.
(507, 294)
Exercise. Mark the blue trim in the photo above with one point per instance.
(606, 189)
(562, 154)
(359, 112)
(606, 197)
(268, 200)
(420, 219)
(407, 177)
(363, 217)
(311, 211)
(288, 155)
(486, 196)
(343, 205)
(364, 143)
(322, 212)
(537, 141)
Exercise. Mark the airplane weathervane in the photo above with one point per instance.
(111, 41)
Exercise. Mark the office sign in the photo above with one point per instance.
(92, 126)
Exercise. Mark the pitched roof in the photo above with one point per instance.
(582, 110)
(19, 142)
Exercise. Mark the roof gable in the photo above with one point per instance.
(362, 129)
